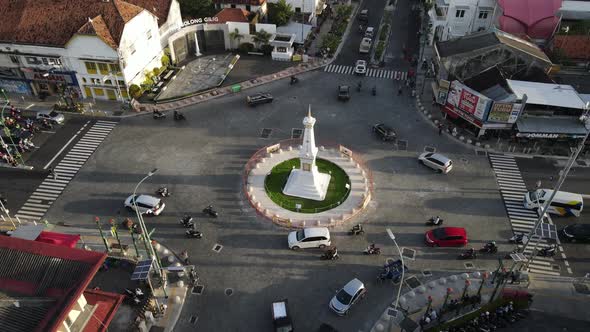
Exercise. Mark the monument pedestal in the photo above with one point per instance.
(306, 184)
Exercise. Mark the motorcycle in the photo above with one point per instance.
(548, 252)
(331, 254)
(489, 248)
(372, 250)
(163, 191)
(209, 211)
(187, 221)
(435, 221)
(356, 230)
(519, 239)
(191, 233)
(158, 115)
(374, 91)
(359, 86)
(294, 80)
(179, 116)
(469, 254)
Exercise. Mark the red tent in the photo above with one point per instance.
(533, 18)
(60, 239)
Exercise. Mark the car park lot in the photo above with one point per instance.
(201, 162)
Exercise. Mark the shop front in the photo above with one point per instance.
(52, 83)
(550, 128)
(467, 107)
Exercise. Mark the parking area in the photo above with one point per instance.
(243, 260)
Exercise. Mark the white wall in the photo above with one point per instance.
(148, 52)
(308, 6)
(173, 23)
(5, 61)
(453, 26)
(270, 28)
(243, 28)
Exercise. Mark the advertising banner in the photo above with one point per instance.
(504, 112)
(468, 100)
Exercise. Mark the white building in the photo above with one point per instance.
(311, 9)
(97, 48)
(254, 6)
(456, 18)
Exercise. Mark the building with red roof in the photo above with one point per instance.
(232, 15)
(46, 284)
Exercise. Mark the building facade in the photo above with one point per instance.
(91, 49)
(456, 18)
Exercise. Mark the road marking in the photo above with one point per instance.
(65, 146)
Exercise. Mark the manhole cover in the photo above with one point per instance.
(402, 145)
(198, 289)
(429, 149)
(409, 253)
(481, 152)
(413, 282)
(229, 291)
(427, 273)
(265, 133)
(296, 133)
(217, 248)
(469, 265)
(581, 163)
(581, 288)
(193, 320)
(555, 267)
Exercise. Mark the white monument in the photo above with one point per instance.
(307, 181)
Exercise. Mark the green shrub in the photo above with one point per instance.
(135, 91)
(266, 49)
(384, 32)
(246, 47)
(330, 41)
(165, 60)
(379, 50)
(156, 71)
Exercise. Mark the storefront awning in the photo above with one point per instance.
(550, 127)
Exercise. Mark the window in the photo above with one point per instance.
(14, 59)
(148, 34)
(249, 8)
(460, 13)
(108, 82)
(115, 68)
(99, 92)
(104, 68)
(298, 9)
(121, 83)
(90, 67)
(95, 81)
(132, 49)
(84, 80)
(233, 6)
(483, 14)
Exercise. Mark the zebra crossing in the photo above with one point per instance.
(377, 73)
(50, 189)
(513, 189)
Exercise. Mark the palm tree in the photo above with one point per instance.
(236, 35)
(261, 38)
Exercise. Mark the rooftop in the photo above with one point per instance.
(232, 15)
(55, 22)
(45, 279)
(241, 2)
(547, 94)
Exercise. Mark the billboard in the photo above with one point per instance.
(504, 112)
(467, 100)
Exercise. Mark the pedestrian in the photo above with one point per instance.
(52, 173)
(184, 256)
(440, 129)
(399, 91)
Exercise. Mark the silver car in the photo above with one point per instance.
(52, 116)
(146, 204)
(436, 161)
(352, 292)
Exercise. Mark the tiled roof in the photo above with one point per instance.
(55, 22)
(241, 2)
(232, 15)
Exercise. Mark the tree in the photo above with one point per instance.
(236, 35)
(261, 38)
(197, 8)
(279, 13)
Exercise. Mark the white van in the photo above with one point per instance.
(563, 204)
(314, 237)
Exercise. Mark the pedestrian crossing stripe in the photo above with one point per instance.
(376, 73)
(64, 172)
(522, 220)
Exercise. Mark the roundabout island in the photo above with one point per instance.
(297, 184)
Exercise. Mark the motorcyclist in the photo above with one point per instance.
(158, 113)
(436, 220)
(490, 246)
(359, 86)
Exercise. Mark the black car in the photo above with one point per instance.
(259, 98)
(343, 92)
(384, 132)
(576, 233)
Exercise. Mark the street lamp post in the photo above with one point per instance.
(401, 282)
(146, 236)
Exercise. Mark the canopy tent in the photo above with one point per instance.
(557, 95)
(60, 239)
(534, 18)
(550, 127)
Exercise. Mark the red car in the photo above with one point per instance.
(446, 237)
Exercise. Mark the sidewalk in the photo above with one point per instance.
(513, 146)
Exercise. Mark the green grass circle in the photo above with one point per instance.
(336, 195)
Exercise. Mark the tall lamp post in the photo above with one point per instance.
(146, 236)
(401, 283)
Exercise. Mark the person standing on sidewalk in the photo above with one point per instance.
(440, 129)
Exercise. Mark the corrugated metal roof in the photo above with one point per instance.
(547, 94)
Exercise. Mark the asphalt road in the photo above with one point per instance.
(201, 161)
(578, 181)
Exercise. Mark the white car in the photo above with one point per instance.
(314, 237)
(52, 116)
(360, 68)
(353, 291)
(146, 204)
(369, 32)
(436, 161)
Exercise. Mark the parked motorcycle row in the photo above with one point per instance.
(157, 115)
(501, 317)
(17, 133)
